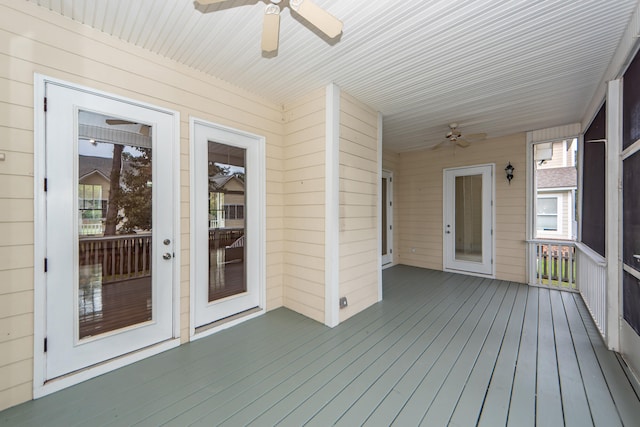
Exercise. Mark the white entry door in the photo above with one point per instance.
(386, 213)
(468, 220)
(228, 214)
(109, 228)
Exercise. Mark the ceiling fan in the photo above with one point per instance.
(318, 17)
(454, 137)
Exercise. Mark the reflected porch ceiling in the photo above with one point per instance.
(493, 66)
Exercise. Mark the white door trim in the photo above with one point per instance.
(489, 242)
(40, 388)
(256, 223)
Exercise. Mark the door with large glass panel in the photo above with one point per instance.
(228, 247)
(110, 228)
(468, 220)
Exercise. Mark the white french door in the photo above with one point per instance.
(468, 220)
(228, 214)
(109, 228)
(386, 227)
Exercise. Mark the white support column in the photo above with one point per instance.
(613, 221)
(332, 207)
(380, 207)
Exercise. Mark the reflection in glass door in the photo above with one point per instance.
(115, 224)
(228, 208)
(468, 218)
(227, 202)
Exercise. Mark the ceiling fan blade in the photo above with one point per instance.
(271, 28)
(320, 18)
(145, 130)
(462, 143)
(440, 144)
(208, 2)
(119, 122)
(475, 136)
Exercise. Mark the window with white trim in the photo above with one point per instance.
(547, 213)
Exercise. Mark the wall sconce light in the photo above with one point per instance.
(509, 170)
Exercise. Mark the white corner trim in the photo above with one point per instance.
(332, 207)
(380, 207)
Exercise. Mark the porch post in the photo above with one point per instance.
(613, 220)
(332, 207)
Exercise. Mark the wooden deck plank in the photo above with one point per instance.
(574, 400)
(394, 402)
(601, 406)
(298, 366)
(474, 366)
(439, 349)
(330, 387)
(205, 375)
(458, 356)
(522, 408)
(337, 395)
(367, 408)
(100, 391)
(492, 402)
(467, 409)
(548, 384)
(219, 392)
(377, 341)
(623, 393)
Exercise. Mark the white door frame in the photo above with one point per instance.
(487, 268)
(255, 218)
(41, 386)
(387, 260)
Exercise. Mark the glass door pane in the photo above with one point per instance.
(631, 240)
(114, 224)
(227, 212)
(468, 218)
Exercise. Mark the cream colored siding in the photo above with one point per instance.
(358, 205)
(304, 205)
(35, 40)
(418, 194)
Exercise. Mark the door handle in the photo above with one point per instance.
(637, 257)
(166, 255)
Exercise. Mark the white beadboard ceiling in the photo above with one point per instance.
(494, 66)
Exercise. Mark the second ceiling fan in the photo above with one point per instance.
(318, 17)
(454, 137)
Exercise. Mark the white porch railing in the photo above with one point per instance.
(592, 280)
(552, 264)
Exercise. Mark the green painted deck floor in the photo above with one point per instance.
(441, 349)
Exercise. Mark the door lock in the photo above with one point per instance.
(166, 255)
(166, 242)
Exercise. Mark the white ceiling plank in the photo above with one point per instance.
(494, 66)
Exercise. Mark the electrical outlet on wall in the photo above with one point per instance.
(343, 302)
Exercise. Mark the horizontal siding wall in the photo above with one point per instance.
(418, 193)
(358, 205)
(35, 40)
(304, 205)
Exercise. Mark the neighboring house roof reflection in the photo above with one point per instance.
(557, 177)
